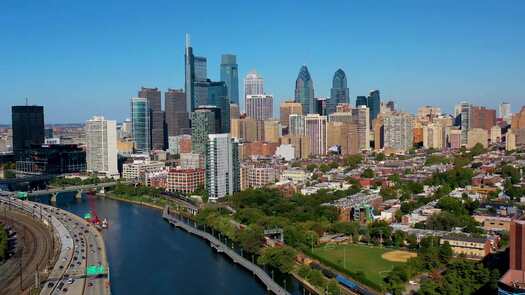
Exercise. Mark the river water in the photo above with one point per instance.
(148, 256)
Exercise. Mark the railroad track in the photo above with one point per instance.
(33, 251)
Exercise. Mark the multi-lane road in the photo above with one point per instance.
(81, 246)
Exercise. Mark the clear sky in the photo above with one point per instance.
(83, 58)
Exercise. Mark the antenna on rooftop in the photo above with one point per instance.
(188, 41)
(27, 101)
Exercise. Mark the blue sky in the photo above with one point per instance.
(82, 58)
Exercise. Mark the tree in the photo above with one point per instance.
(353, 161)
(324, 168)
(251, 238)
(311, 167)
(282, 258)
(380, 157)
(368, 173)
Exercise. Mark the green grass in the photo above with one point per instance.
(359, 258)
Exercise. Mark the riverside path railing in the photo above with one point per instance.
(215, 243)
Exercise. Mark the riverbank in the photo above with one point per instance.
(111, 196)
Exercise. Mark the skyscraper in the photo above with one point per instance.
(230, 75)
(28, 127)
(315, 131)
(339, 92)
(481, 117)
(195, 69)
(505, 112)
(222, 166)
(361, 117)
(101, 146)
(374, 104)
(156, 116)
(140, 124)
(463, 111)
(296, 124)
(398, 132)
(253, 85)
(177, 121)
(214, 93)
(361, 101)
(205, 120)
(259, 106)
(304, 91)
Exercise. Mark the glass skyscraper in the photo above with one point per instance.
(230, 75)
(361, 101)
(28, 127)
(195, 69)
(374, 104)
(222, 166)
(140, 124)
(153, 96)
(214, 93)
(304, 91)
(339, 92)
(205, 120)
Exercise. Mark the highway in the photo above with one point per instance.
(72, 188)
(80, 245)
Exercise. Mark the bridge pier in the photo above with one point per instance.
(54, 198)
(102, 191)
(78, 195)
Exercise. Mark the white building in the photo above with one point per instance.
(285, 151)
(137, 170)
(398, 132)
(101, 146)
(315, 131)
(191, 161)
(222, 166)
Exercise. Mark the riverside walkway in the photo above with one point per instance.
(270, 284)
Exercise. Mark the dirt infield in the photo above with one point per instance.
(398, 256)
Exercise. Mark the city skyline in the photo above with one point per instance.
(99, 69)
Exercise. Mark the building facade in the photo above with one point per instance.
(222, 166)
(153, 96)
(339, 93)
(304, 91)
(259, 106)
(230, 75)
(315, 131)
(177, 119)
(140, 124)
(101, 147)
(398, 132)
(27, 127)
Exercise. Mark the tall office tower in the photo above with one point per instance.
(304, 91)
(374, 104)
(214, 93)
(259, 106)
(205, 120)
(481, 117)
(140, 124)
(195, 69)
(296, 124)
(343, 135)
(398, 132)
(156, 116)
(462, 111)
(101, 146)
(177, 121)
(287, 108)
(230, 75)
(315, 130)
(339, 92)
(361, 117)
(245, 129)
(253, 84)
(222, 166)
(505, 112)
(28, 127)
(361, 101)
(235, 113)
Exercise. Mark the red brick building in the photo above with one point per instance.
(185, 180)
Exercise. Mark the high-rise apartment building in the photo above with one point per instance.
(434, 136)
(339, 92)
(259, 106)
(315, 131)
(222, 166)
(28, 127)
(287, 108)
(463, 111)
(101, 146)
(398, 132)
(140, 124)
(205, 120)
(477, 135)
(245, 129)
(518, 119)
(304, 91)
(272, 131)
(230, 75)
(156, 116)
(374, 104)
(177, 119)
(481, 117)
(343, 135)
(361, 117)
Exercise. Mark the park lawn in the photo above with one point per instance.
(359, 258)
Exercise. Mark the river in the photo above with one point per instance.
(148, 256)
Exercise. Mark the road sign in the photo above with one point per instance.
(94, 270)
